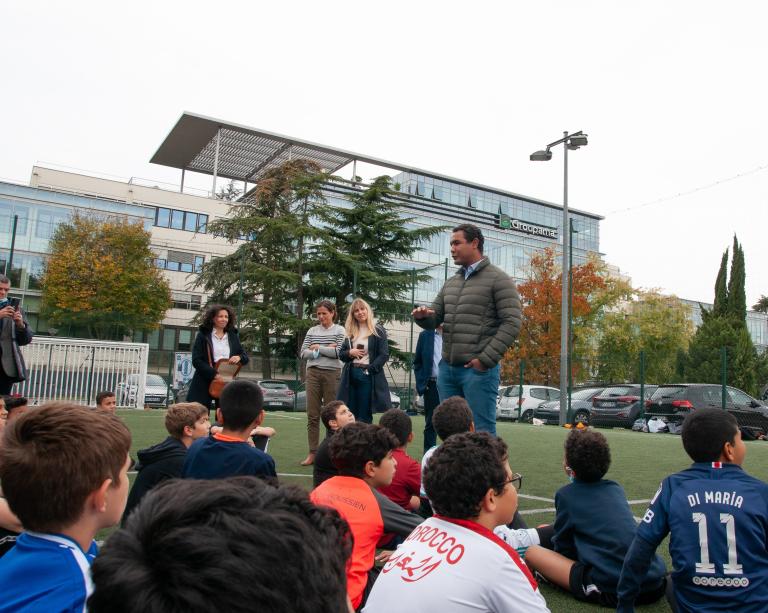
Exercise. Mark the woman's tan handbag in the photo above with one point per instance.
(226, 372)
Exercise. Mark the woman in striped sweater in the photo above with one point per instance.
(321, 350)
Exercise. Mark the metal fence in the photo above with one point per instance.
(76, 370)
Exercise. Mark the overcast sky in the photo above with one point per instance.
(672, 95)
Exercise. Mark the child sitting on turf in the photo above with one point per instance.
(64, 473)
(185, 422)
(452, 416)
(227, 453)
(456, 560)
(236, 545)
(334, 415)
(717, 518)
(362, 453)
(405, 486)
(593, 529)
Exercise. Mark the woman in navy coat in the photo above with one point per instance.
(217, 339)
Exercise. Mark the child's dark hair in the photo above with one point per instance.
(706, 431)
(328, 412)
(398, 423)
(242, 529)
(452, 416)
(102, 395)
(241, 403)
(54, 457)
(462, 470)
(355, 445)
(587, 454)
(14, 402)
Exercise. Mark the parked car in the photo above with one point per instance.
(155, 391)
(509, 406)
(277, 394)
(581, 403)
(618, 406)
(672, 402)
(301, 401)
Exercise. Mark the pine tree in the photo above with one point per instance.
(276, 219)
(721, 288)
(363, 240)
(737, 299)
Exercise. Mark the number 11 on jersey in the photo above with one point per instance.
(732, 567)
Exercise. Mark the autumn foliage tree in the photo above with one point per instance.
(100, 278)
(594, 291)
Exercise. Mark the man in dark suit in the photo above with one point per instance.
(429, 349)
(14, 331)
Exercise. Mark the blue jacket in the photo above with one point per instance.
(422, 360)
(594, 525)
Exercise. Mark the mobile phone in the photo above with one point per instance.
(14, 302)
(359, 346)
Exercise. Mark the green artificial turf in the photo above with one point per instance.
(639, 462)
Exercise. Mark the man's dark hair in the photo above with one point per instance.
(588, 454)
(705, 433)
(241, 402)
(210, 315)
(462, 470)
(104, 394)
(398, 423)
(14, 402)
(328, 412)
(471, 233)
(234, 544)
(452, 416)
(355, 445)
(4, 279)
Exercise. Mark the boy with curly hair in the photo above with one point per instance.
(457, 559)
(362, 453)
(593, 529)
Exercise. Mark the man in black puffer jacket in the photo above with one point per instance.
(480, 310)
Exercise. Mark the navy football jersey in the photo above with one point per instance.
(717, 516)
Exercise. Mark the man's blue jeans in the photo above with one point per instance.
(479, 389)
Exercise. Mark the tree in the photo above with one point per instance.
(594, 292)
(656, 324)
(229, 192)
(724, 326)
(363, 239)
(721, 287)
(272, 227)
(737, 299)
(761, 306)
(101, 276)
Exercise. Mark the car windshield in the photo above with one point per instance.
(155, 380)
(617, 391)
(672, 391)
(584, 394)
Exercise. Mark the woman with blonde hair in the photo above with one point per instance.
(363, 386)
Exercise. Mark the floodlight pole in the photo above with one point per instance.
(569, 142)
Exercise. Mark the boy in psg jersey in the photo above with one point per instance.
(64, 470)
(717, 518)
(458, 559)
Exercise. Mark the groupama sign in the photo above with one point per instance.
(507, 223)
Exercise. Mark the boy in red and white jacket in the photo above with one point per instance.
(458, 559)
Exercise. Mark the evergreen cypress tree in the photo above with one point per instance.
(720, 307)
(737, 299)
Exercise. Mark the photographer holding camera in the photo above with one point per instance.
(14, 331)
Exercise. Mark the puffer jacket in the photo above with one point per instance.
(481, 316)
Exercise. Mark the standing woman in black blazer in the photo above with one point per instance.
(363, 386)
(216, 339)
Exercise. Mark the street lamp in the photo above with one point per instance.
(570, 141)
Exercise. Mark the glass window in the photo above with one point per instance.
(169, 339)
(160, 263)
(172, 265)
(162, 217)
(185, 340)
(202, 223)
(185, 267)
(199, 260)
(540, 393)
(190, 222)
(153, 339)
(35, 267)
(177, 220)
